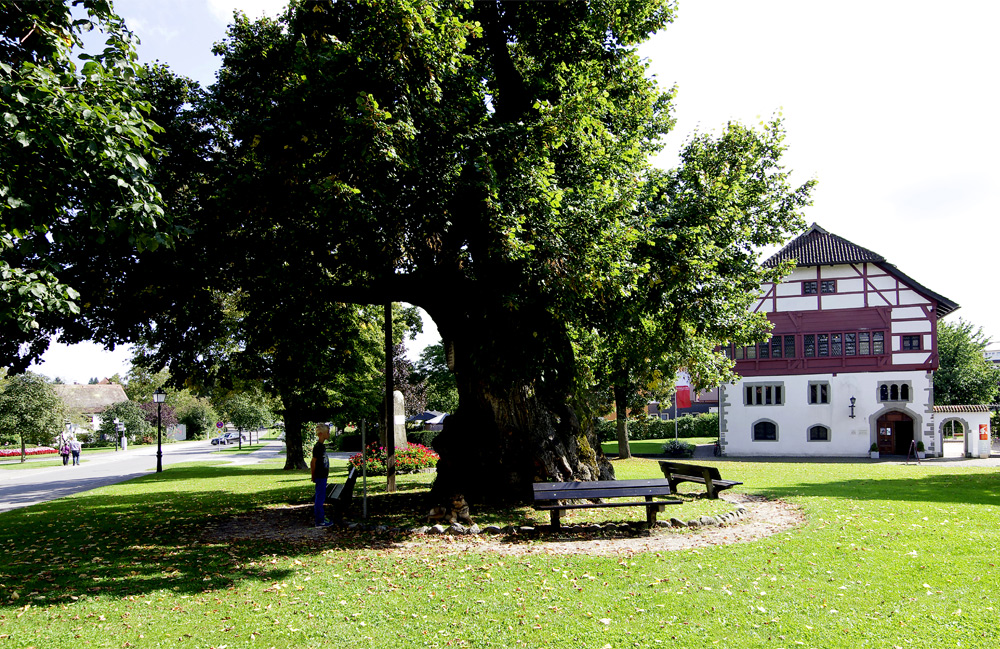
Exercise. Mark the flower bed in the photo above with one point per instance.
(16, 452)
(409, 459)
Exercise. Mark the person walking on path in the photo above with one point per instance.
(320, 469)
(75, 448)
(64, 451)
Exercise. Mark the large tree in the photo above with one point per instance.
(964, 376)
(485, 161)
(30, 410)
(75, 152)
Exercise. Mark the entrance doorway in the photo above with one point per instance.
(895, 432)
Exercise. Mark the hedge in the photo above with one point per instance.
(701, 425)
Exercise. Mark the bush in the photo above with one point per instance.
(199, 418)
(411, 459)
(676, 448)
(423, 437)
(346, 442)
(701, 425)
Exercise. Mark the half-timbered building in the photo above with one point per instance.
(850, 362)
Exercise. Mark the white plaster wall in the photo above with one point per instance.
(837, 301)
(848, 437)
(804, 303)
(837, 272)
(901, 313)
(789, 289)
(878, 299)
(910, 358)
(805, 272)
(911, 297)
(855, 285)
(911, 326)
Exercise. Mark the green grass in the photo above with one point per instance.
(652, 446)
(890, 556)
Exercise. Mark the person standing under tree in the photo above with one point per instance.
(75, 447)
(320, 469)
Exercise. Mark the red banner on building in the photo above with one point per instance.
(683, 396)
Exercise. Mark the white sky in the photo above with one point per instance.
(886, 102)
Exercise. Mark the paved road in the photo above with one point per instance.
(24, 487)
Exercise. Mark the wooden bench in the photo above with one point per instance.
(340, 494)
(547, 496)
(675, 473)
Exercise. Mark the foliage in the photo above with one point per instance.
(140, 383)
(432, 370)
(411, 459)
(198, 417)
(128, 413)
(30, 410)
(403, 380)
(642, 428)
(167, 415)
(677, 448)
(422, 437)
(964, 376)
(247, 411)
(75, 146)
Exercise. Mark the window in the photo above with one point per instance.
(836, 344)
(899, 391)
(809, 345)
(864, 343)
(829, 286)
(819, 434)
(765, 351)
(819, 392)
(911, 343)
(776, 347)
(809, 288)
(878, 342)
(763, 394)
(789, 346)
(850, 344)
(823, 344)
(765, 431)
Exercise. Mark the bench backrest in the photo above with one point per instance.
(600, 489)
(693, 470)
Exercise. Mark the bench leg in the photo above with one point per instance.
(651, 510)
(713, 493)
(554, 517)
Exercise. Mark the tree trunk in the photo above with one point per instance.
(507, 434)
(24, 451)
(294, 455)
(621, 423)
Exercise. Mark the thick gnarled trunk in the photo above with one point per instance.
(505, 436)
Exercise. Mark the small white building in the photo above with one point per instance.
(850, 363)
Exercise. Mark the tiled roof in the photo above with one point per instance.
(972, 408)
(90, 399)
(817, 247)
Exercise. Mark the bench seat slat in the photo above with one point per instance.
(645, 503)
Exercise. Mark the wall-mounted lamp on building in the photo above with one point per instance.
(852, 407)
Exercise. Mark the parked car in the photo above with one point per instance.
(229, 438)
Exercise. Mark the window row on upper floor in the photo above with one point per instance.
(820, 345)
(773, 393)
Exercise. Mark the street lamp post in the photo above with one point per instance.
(159, 396)
(118, 431)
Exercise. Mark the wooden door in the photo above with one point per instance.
(889, 427)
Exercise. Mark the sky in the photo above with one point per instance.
(887, 104)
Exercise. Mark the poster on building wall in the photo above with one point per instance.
(984, 433)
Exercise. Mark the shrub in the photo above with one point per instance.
(423, 437)
(346, 442)
(411, 459)
(676, 448)
(701, 425)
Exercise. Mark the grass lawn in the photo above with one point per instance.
(890, 556)
(653, 446)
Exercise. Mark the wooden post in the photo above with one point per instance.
(388, 422)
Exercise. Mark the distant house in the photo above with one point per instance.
(91, 400)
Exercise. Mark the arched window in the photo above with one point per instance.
(894, 392)
(904, 392)
(883, 393)
(819, 434)
(765, 431)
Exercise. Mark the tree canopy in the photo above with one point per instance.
(75, 154)
(30, 410)
(486, 161)
(964, 376)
